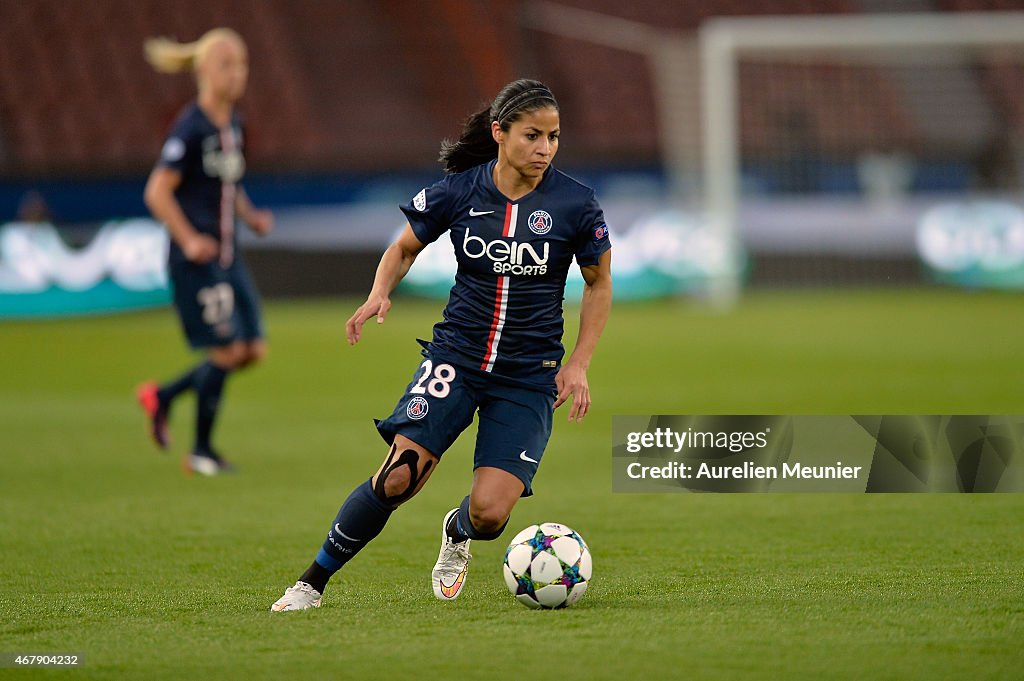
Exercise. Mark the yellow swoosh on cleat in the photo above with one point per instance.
(450, 591)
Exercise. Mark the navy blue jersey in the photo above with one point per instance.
(211, 163)
(504, 314)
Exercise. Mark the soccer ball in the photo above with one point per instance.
(547, 566)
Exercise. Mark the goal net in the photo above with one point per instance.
(867, 148)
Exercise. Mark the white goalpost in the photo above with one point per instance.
(837, 131)
(888, 40)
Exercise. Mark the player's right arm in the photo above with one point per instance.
(394, 265)
(159, 197)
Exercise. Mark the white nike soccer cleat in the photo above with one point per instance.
(299, 597)
(206, 464)
(452, 564)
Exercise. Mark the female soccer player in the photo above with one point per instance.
(516, 224)
(194, 190)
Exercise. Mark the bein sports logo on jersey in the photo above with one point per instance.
(508, 257)
(417, 408)
(228, 165)
(539, 222)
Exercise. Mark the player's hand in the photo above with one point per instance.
(261, 221)
(572, 380)
(200, 248)
(375, 306)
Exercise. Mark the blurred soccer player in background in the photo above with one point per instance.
(195, 191)
(516, 223)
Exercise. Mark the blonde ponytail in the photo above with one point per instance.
(170, 56)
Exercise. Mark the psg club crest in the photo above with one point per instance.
(539, 222)
(417, 408)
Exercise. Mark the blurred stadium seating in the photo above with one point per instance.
(349, 90)
(353, 85)
(373, 85)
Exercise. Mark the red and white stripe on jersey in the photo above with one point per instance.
(227, 204)
(501, 295)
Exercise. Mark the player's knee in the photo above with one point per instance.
(395, 487)
(228, 357)
(488, 518)
(255, 353)
(238, 355)
(401, 476)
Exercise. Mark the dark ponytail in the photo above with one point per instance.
(476, 145)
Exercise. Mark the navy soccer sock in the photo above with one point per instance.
(453, 530)
(460, 527)
(168, 391)
(360, 519)
(209, 384)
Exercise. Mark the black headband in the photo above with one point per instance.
(522, 99)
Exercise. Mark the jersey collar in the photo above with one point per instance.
(494, 188)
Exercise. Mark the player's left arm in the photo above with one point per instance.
(260, 220)
(594, 310)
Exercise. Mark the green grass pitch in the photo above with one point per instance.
(107, 550)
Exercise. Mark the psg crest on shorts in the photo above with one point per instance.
(417, 408)
(539, 222)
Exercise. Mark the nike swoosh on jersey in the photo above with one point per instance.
(522, 455)
(478, 213)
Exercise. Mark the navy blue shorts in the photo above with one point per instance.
(216, 306)
(439, 403)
